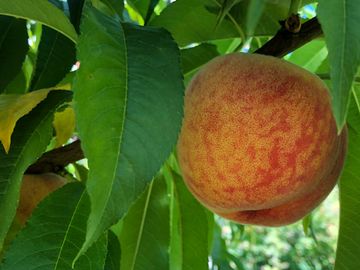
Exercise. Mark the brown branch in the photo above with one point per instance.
(281, 44)
(285, 41)
(56, 159)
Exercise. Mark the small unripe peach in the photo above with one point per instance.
(259, 143)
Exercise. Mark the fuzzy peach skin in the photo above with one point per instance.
(34, 188)
(259, 143)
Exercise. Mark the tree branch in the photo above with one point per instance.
(56, 159)
(281, 44)
(284, 41)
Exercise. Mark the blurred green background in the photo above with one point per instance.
(305, 245)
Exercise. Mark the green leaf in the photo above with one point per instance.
(75, 9)
(340, 21)
(348, 248)
(310, 56)
(41, 11)
(189, 230)
(353, 117)
(193, 58)
(54, 234)
(114, 252)
(306, 223)
(30, 138)
(144, 238)
(192, 21)
(18, 85)
(56, 55)
(254, 12)
(12, 108)
(117, 6)
(225, 8)
(13, 48)
(128, 104)
(95, 256)
(144, 7)
(220, 255)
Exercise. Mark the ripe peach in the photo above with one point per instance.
(259, 143)
(34, 188)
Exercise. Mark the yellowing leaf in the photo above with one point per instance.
(66, 82)
(64, 124)
(66, 86)
(12, 108)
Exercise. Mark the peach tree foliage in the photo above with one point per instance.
(131, 209)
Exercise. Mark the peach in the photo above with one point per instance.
(34, 188)
(259, 143)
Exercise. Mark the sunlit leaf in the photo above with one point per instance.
(348, 246)
(192, 21)
(128, 104)
(310, 56)
(145, 233)
(189, 230)
(64, 124)
(41, 11)
(30, 139)
(12, 108)
(254, 12)
(226, 6)
(340, 21)
(144, 7)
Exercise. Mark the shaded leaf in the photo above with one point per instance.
(193, 58)
(81, 172)
(56, 56)
(189, 230)
(220, 255)
(117, 6)
(41, 11)
(129, 91)
(340, 21)
(145, 233)
(190, 21)
(348, 247)
(195, 21)
(114, 252)
(225, 7)
(31, 137)
(75, 8)
(55, 233)
(13, 48)
(353, 117)
(95, 256)
(64, 124)
(12, 108)
(18, 85)
(254, 12)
